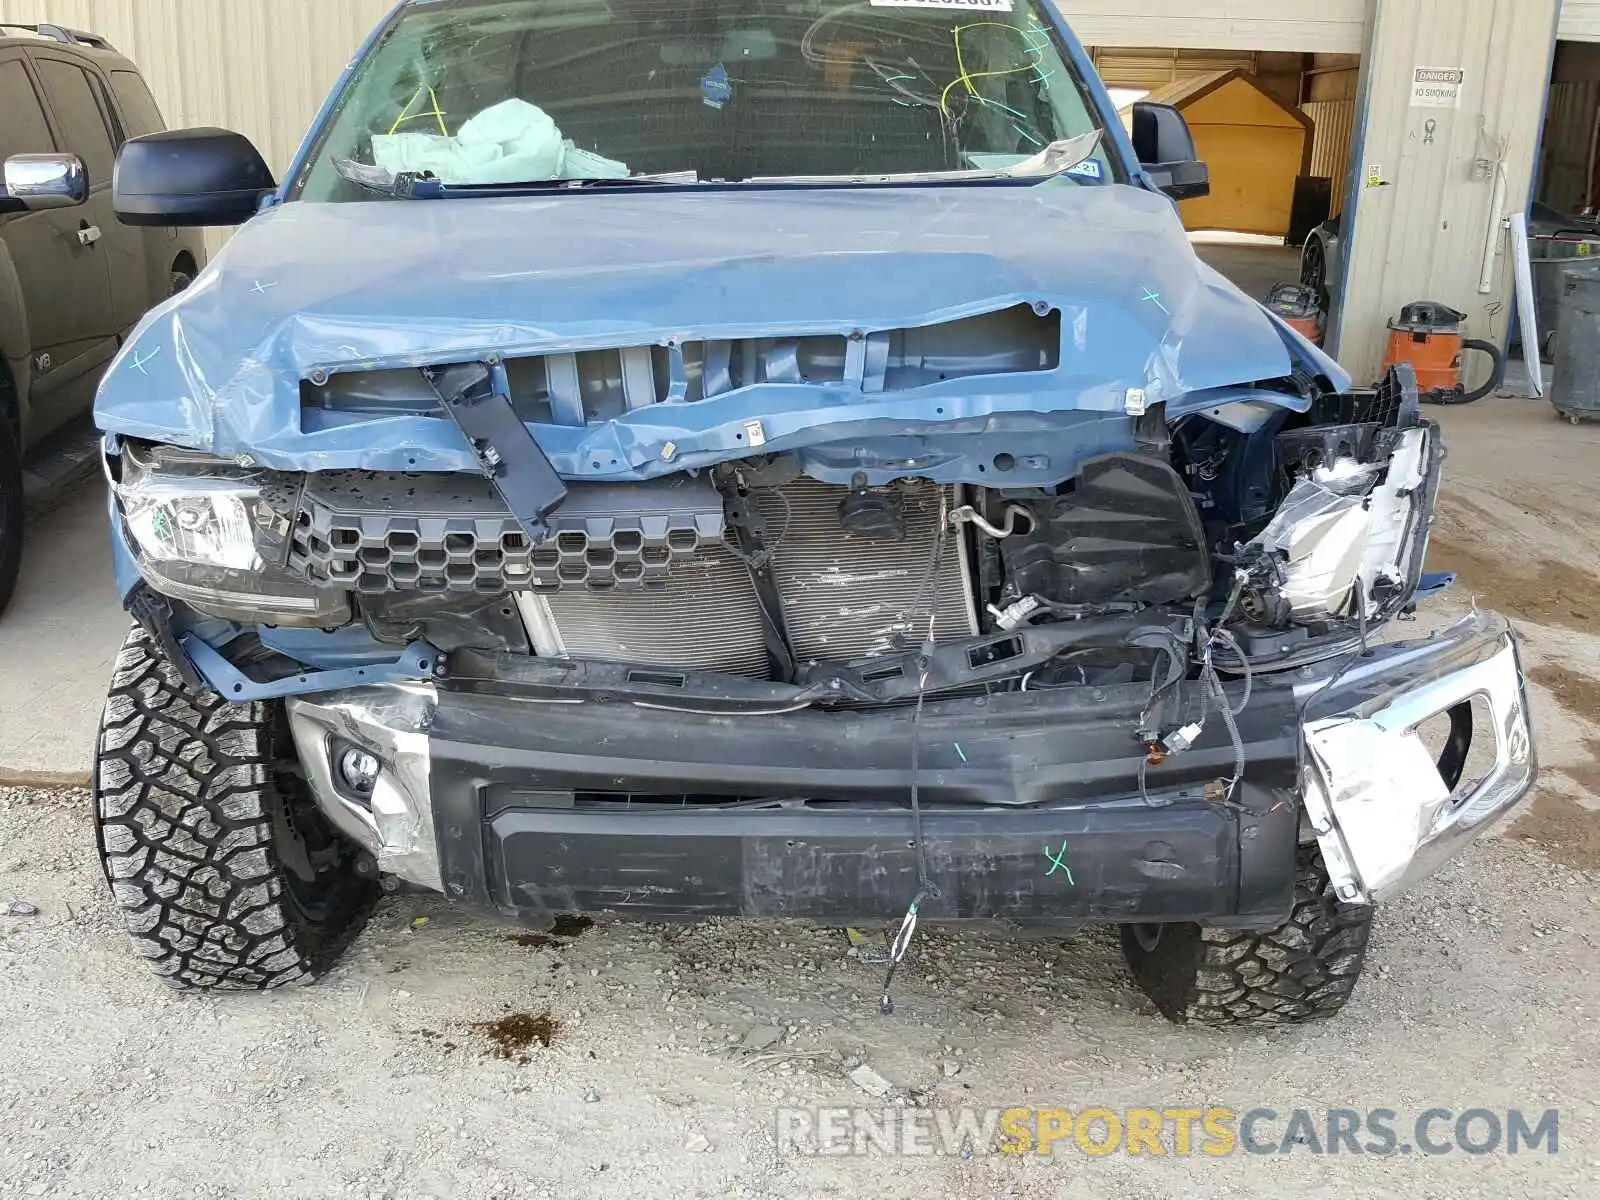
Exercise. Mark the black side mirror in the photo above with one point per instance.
(1165, 147)
(190, 177)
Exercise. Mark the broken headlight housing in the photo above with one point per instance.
(1344, 542)
(214, 535)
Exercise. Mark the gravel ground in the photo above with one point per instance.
(416, 1070)
(676, 1044)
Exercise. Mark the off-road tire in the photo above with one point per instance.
(198, 810)
(13, 518)
(1304, 970)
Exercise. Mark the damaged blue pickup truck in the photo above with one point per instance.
(771, 459)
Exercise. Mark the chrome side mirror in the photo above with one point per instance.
(35, 182)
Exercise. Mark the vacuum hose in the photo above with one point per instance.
(1496, 377)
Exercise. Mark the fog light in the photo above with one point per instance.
(358, 770)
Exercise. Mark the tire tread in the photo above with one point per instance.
(184, 803)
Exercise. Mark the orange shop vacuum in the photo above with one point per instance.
(1428, 336)
(1298, 306)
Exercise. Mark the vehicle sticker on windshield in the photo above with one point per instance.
(999, 6)
(716, 89)
(1089, 168)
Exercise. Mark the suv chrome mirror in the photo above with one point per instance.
(35, 182)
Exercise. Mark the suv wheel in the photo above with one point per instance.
(12, 516)
(1304, 970)
(227, 874)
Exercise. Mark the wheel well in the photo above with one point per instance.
(185, 262)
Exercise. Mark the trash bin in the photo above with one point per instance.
(1557, 244)
(1576, 390)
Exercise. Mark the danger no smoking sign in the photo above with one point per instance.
(1437, 87)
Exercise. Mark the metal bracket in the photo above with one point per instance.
(420, 661)
(153, 612)
(476, 399)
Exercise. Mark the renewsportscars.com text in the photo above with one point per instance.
(1179, 1132)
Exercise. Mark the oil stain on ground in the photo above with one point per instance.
(515, 1034)
(565, 927)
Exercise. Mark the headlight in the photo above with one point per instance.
(1342, 534)
(197, 521)
(209, 534)
(1319, 539)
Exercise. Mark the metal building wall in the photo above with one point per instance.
(1329, 26)
(1334, 121)
(1423, 206)
(1580, 21)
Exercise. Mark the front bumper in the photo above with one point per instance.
(1033, 812)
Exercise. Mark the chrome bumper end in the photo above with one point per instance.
(1384, 814)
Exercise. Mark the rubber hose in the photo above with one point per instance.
(1497, 377)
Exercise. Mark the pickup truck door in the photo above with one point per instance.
(55, 302)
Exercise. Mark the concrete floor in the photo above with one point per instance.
(1257, 265)
(57, 642)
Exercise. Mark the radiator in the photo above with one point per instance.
(842, 597)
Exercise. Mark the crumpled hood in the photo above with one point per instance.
(307, 289)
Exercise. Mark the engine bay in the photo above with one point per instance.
(1294, 535)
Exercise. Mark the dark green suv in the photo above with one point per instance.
(73, 279)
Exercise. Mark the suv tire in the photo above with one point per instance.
(13, 518)
(1304, 970)
(227, 874)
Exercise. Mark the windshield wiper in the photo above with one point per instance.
(1057, 158)
(407, 185)
(427, 186)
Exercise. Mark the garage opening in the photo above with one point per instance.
(1276, 129)
(1564, 223)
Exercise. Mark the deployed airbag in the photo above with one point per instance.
(510, 142)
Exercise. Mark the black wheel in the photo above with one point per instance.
(1302, 971)
(1314, 271)
(12, 517)
(227, 874)
(178, 280)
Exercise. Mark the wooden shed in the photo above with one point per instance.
(1255, 144)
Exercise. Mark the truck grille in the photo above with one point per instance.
(643, 573)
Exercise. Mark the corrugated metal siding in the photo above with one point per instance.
(1580, 21)
(1331, 26)
(1335, 122)
(1422, 236)
(1147, 67)
(1568, 141)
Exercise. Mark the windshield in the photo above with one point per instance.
(484, 92)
